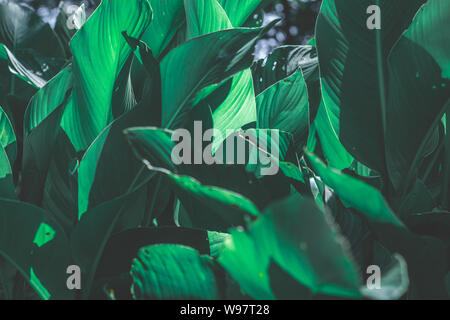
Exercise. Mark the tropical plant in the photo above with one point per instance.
(88, 177)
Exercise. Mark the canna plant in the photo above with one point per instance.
(89, 181)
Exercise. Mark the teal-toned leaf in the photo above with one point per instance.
(123, 247)
(38, 150)
(46, 100)
(96, 226)
(219, 55)
(297, 236)
(100, 52)
(109, 166)
(239, 107)
(281, 64)
(419, 87)
(7, 190)
(168, 17)
(348, 53)
(167, 272)
(326, 125)
(238, 12)
(284, 106)
(7, 137)
(209, 207)
(37, 247)
(426, 277)
(355, 193)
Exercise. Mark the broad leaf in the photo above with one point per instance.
(218, 55)
(355, 193)
(168, 17)
(419, 92)
(352, 60)
(37, 247)
(165, 272)
(7, 137)
(239, 107)
(100, 52)
(297, 236)
(284, 106)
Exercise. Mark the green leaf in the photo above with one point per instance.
(7, 137)
(239, 11)
(239, 106)
(209, 207)
(167, 272)
(38, 149)
(212, 208)
(355, 193)
(281, 64)
(100, 52)
(96, 226)
(47, 99)
(297, 236)
(168, 17)
(37, 247)
(284, 106)
(419, 86)
(326, 125)
(7, 189)
(425, 256)
(60, 192)
(352, 60)
(123, 247)
(205, 16)
(152, 144)
(109, 166)
(218, 55)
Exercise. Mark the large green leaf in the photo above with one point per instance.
(60, 188)
(100, 52)
(355, 193)
(297, 236)
(239, 11)
(37, 247)
(96, 226)
(219, 55)
(353, 60)
(168, 17)
(166, 272)
(284, 106)
(282, 63)
(326, 125)
(209, 207)
(38, 148)
(123, 247)
(7, 136)
(419, 92)
(47, 99)
(426, 257)
(239, 106)
(6, 178)
(109, 166)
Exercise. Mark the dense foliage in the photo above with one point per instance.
(87, 177)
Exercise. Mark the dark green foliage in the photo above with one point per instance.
(356, 123)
